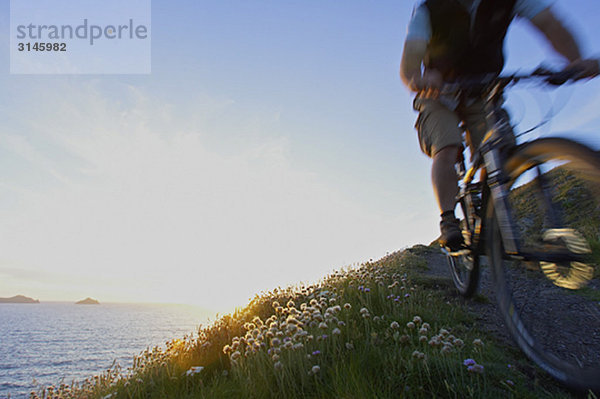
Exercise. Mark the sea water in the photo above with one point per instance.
(51, 343)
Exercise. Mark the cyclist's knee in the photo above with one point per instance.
(447, 155)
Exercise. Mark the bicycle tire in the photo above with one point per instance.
(464, 268)
(552, 310)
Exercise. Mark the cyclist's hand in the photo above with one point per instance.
(584, 68)
(431, 83)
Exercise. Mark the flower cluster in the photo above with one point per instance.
(473, 367)
(446, 341)
(290, 329)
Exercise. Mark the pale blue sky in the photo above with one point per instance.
(272, 142)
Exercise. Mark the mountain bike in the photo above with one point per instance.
(532, 211)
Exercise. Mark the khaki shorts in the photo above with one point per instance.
(438, 125)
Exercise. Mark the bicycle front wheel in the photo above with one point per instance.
(551, 300)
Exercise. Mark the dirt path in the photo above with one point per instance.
(483, 305)
(552, 326)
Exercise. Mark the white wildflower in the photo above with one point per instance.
(194, 370)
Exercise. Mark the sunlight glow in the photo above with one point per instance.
(144, 214)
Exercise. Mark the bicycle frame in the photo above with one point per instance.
(493, 186)
(489, 158)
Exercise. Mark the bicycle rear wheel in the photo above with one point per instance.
(464, 267)
(551, 302)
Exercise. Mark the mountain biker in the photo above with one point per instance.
(448, 39)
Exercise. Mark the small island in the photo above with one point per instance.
(19, 299)
(87, 301)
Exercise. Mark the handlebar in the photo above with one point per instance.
(486, 84)
(556, 78)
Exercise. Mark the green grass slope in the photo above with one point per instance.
(383, 330)
(575, 200)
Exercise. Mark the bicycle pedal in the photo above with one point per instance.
(461, 252)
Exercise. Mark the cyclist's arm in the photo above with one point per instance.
(411, 66)
(564, 43)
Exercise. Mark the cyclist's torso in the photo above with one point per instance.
(465, 37)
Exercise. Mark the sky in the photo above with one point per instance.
(271, 144)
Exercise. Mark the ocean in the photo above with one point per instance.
(50, 343)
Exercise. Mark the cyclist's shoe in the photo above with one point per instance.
(451, 237)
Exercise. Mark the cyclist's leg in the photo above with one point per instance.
(476, 125)
(440, 138)
(444, 178)
(474, 115)
(437, 126)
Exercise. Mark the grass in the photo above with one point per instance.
(383, 330)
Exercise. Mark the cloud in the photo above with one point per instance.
(150, 201)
